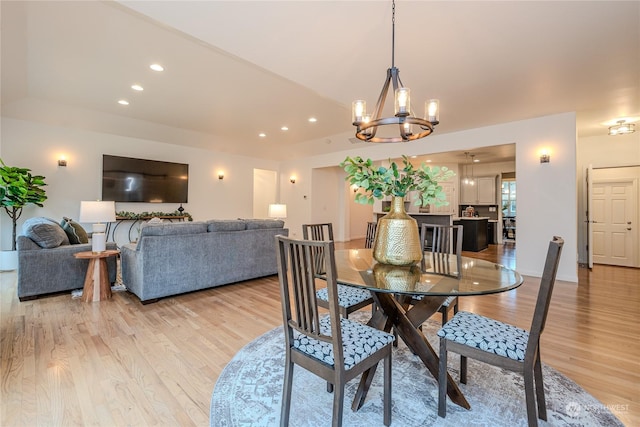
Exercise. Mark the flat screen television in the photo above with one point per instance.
(126, 179)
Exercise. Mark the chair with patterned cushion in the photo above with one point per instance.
(501, 344)
(442, 241)
(350, 299)
(332, 347)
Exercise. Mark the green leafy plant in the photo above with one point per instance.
(379, 181)
(18, 188)
(146, 215)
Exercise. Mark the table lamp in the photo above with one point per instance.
(99, 213)
(277, 211)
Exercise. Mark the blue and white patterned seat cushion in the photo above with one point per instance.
(347, 295)
(359, 342)
(486, 334)
(446, 302)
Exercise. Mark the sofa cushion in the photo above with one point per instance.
(253, 224)
(173, 229)
(75, 232)
(226, 225)
(45, 232)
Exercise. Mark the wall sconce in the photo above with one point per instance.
(545, 157)
(62, 161)
(220, 175)
(354, 188)
(292, 178)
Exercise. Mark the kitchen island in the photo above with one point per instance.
(474, 231)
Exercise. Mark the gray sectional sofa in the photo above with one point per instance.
(174, 258)
(46, 263)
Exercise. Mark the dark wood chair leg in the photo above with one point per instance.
(542, 405)
(442, 380)
(530, 397)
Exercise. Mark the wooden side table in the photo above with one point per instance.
(96, 282)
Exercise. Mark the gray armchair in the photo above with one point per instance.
(44, 271)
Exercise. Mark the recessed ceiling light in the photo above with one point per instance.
(137, 87)
(428, 160)
(123, 102)
(312, 120)
(476, 160)
(156, 67)
(262, 135)
(284, 128)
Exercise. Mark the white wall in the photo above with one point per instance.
(601, 151)
(38, 147)
(546, 192)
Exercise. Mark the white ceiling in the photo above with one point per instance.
(238, 68)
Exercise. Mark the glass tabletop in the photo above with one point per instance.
(436, 275)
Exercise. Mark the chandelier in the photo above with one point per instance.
(622, 128)
(367, 124)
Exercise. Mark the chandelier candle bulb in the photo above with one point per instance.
(432, 109)
(359, 110)
(403, 100)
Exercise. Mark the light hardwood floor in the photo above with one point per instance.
(118, 362)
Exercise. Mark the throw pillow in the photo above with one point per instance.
(45, 232)
(75, 232)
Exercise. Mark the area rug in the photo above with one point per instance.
(249, 391)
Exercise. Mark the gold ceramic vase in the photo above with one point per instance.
(397, 239)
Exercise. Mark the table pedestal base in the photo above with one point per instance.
(406, 319)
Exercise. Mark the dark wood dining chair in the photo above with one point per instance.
(371, 234)
(443, 241)
(503, 345)
(350, 299)
(332, 347)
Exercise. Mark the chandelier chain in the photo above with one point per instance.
(393, 34)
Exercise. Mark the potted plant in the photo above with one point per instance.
(18, 188)
(397, 238)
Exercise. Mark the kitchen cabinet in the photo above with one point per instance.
(482, 193)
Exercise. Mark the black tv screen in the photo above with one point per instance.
(125, 179)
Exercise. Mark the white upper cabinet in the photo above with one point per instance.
(482, 193)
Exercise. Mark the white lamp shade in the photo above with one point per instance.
(95, 212)
(277, 211)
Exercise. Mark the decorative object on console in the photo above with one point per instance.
(148, 215)
(99, 213)
(367, 125)
(397, 240)
(277, 211)
(18, 188)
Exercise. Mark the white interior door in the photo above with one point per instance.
(613, 213)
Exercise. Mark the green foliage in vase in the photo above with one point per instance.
(378, 182)
(146, 215)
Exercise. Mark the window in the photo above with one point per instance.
(508, 197)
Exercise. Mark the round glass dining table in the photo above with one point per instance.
(436, 275)
(394, 290)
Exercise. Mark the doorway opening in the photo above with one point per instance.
(508, 205)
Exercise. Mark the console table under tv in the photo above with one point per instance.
(111, 231)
